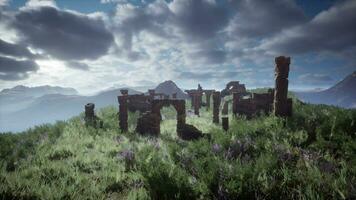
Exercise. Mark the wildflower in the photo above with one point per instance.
(216, 148)
(129, 157)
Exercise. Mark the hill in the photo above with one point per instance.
(52, 107)
(19, 97)
(342, 94)
(263, 158)
(169, 88)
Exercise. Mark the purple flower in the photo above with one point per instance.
(129, 157)
(216, 148)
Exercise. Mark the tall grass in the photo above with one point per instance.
(262, 158)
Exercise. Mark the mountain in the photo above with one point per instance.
(21, 90)
(343, 94)
(169, 88)
(52, 107)
(20, 97)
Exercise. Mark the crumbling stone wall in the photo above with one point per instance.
(282, 105)
(233, 87)
(147, 124)
(139, 102)
(254, 105)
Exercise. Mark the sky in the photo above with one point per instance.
(92, 45)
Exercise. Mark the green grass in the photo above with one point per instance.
(262, 158)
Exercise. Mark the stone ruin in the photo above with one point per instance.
(216, 106)
(196, 97)
(142, 102)
(233, 87)
(243, 103)
(149, 121)
(274, 100)
(253, 105)
(90, 118)
(282, 104)
(123, 110)
(138, 102)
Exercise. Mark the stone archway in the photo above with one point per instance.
(178, 104)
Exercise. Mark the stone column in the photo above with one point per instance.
(281, 86)
(225, 110)
(235, 101)
(216, 105)
(196, 103)
(181, 115)
(192, 101)
(208, 96)
(89, 114)
(151, 93)
(123, 114)
(225, 123)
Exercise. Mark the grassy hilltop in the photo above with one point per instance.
(311, 155)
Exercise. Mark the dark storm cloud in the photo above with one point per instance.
(63, 34)
(15, 50)
(260, 18)
(332, 31)
(200, 19)
(12, 69)
(78, 65)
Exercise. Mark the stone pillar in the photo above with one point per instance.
(235, 101)
(208, 96)
(225, 110)
(123, 113)
(281, 106)
(174, 96)
(200, 98)
(151, 93)
(196, 103)
(225, 123)
(216, 105)
(181, 115)
(89, 114)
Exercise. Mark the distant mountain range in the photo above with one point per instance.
(343, 94)
(22, 107)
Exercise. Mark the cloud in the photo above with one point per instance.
(4, 3)
(315, 78)
(38, 3)
(12, 69)
(209, 75)
(62, 34)
(332, 31)
(199, 19)
(15, 50)
(78, 65)
(260, 18)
